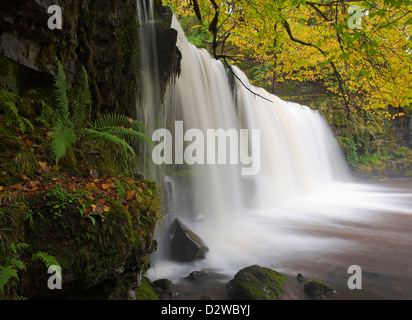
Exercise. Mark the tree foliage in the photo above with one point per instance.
(368, 66)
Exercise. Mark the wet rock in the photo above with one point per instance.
(185, 245)
(163, 287)
(301, 279)
(256, 283)
(198, 276)
(316, 289)
(163, 284)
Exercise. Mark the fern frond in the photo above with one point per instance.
(111, 120)
(60, 93)
(8, 100)
(47, 115)
(118, 120)
(17, 264)
(6, 274)
(62, 139)
(126, 133)
(46, 258)
(105, 136)
(81, 108)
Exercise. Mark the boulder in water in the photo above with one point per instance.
(316, 289)
(185, 245)
(198, 276)
(256, 283)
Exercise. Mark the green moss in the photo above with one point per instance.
(257, 283)
(9, 75)
(146, 291)
(315, 288)
(47, 55)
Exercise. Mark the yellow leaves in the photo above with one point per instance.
(400, 114)
(100, 207)
(1, 188)
(44, 167)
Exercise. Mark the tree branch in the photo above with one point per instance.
(286, 25)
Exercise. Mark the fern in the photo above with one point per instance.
(8, 100)
(47, 115)
(72, 125)
(105, 136)
(6, 274)
(60, 93)
(122, 126)
(12, 265)
(62, 139)
(46, 258)
(81, 107)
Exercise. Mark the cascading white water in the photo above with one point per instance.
(303, 185)
(298, 152)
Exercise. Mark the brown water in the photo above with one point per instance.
(320, 240)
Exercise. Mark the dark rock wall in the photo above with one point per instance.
(101, 35)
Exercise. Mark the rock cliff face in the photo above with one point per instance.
(101, 35)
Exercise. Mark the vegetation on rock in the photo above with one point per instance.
(88, 214)
(256, 283)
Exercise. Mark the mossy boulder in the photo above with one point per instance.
(256, 283)
(316, 289)
(100, 238)
(146, 291)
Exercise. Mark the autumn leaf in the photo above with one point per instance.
(1, 188)
(130, 195)
(105, 186)
(106, 208)
(43, 166)
(130, 120)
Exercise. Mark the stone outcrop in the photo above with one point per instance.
(101, 35)
(184, 244)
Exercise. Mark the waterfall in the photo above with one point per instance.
(298, 152)
(300, 208)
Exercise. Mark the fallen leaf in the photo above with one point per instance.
(106, 208)
(49, 133)
(105, 186)
(130, 120)
(122, 127)
(44, 166)
(1, 188)
(130, 195)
